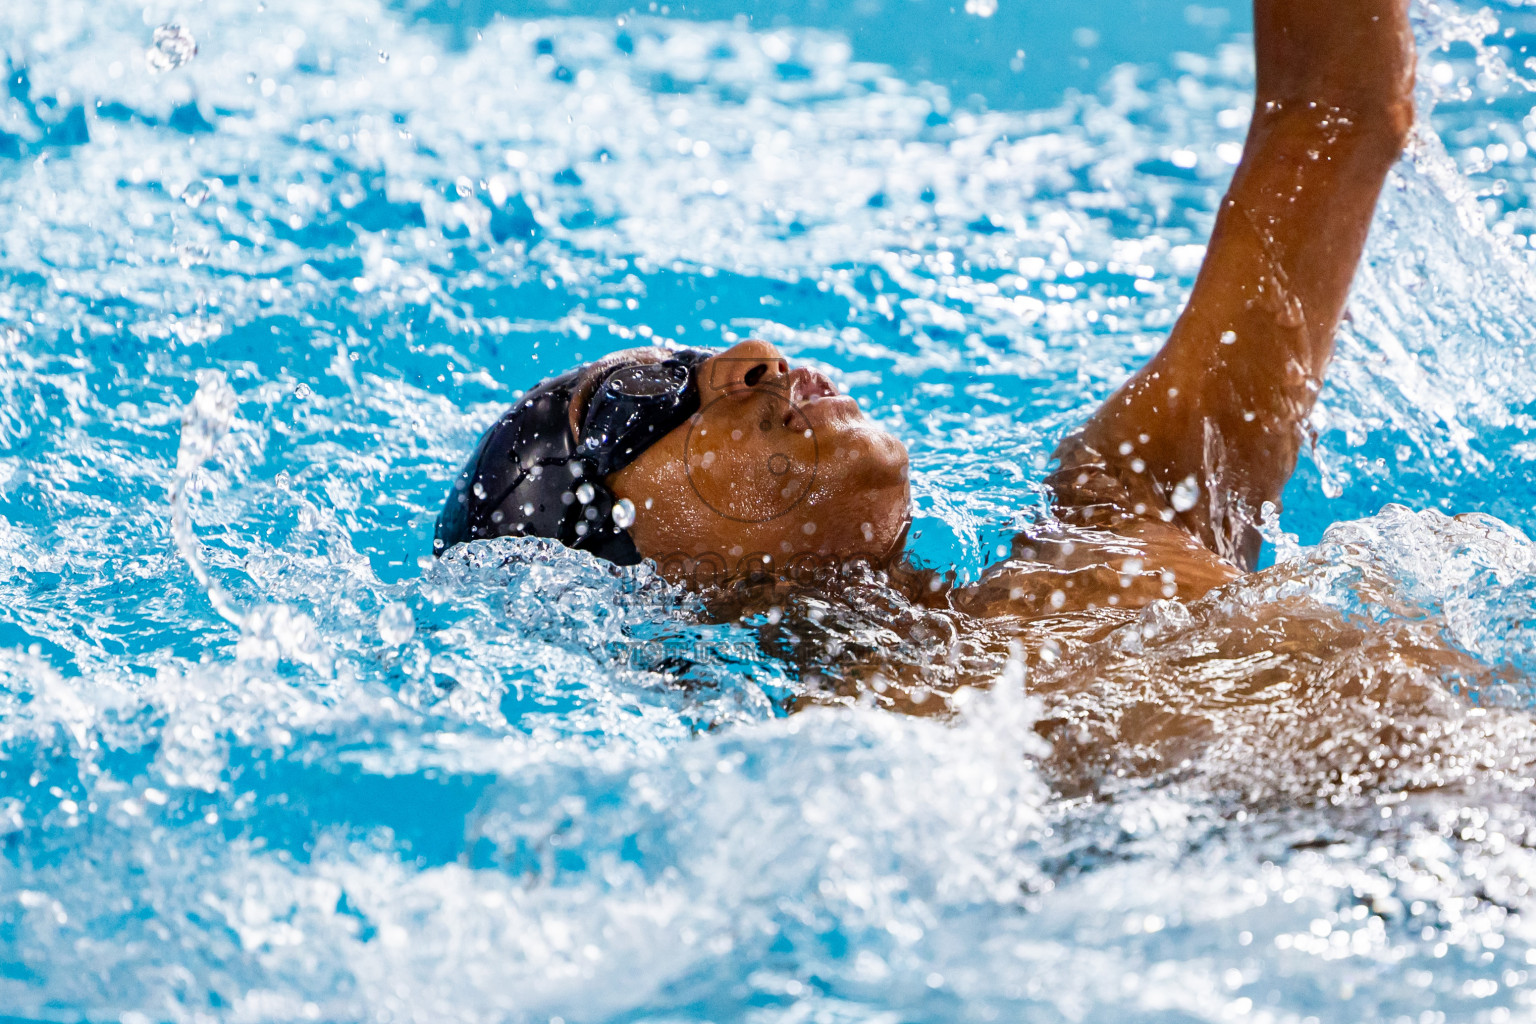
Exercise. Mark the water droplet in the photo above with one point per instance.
(1287, 545)
(195, 194)
(173, 46)
(479, 490)
(383, 57)
(527, 508)
(1229, 337)
(585, 493)
(1185, 494)
(396, 623)
(624, 513)
(981, 8)
(303, 391)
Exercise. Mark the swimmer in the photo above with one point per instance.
(719, 465)
(734, 461)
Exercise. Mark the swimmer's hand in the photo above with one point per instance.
(1209, 429)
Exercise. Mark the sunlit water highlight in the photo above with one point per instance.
(261, 759)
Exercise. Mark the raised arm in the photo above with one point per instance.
(1209, 429)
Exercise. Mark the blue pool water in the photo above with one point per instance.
(263, 759)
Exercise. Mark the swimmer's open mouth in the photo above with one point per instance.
(806, 387)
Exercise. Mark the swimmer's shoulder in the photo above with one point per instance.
(1062, 568)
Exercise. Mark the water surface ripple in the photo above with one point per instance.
(268, 269)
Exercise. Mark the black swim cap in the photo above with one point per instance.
(532, 475)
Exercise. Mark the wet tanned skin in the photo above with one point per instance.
(775, 468)
(1265, 694)
(1159, 494)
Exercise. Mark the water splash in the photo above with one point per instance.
(1286, 546)
(268, 632)
(203, 424)
(271, 761)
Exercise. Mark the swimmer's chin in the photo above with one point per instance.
(868, 456)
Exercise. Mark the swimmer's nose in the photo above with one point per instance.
(747, 364)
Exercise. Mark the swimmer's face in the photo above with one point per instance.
(775, 468)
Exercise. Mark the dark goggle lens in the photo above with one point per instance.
(632, 408)
(654, 380)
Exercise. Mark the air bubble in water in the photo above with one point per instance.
(396, 623)
(624, 514)
(383, 57)
(173, 46)
(1186, 494)
(981, 8)
(302, 391)
(585, 493)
